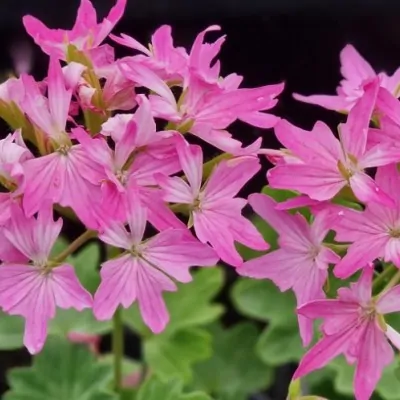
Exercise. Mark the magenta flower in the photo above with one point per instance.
(301, 262)
(354, 326)
(373, 233)
(140, 152)
(205, 109)
(168, 62)
(329, 164)
(214, 209)
(34, 290)
(356, 72)
(65, 176)
(86, 34)
(145, 269)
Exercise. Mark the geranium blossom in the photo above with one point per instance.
(356, 73)
(145, 270)
(354, 325)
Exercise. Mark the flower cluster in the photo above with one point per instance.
(109, 142)
(106, 141)
(350, 184)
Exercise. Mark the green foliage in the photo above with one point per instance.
(197, 308)
(184, 342)
(234, 371)
(155, 389)
(172, 356)
(87, 265)
(261, 299)
(62, 371)
(388, 387)
(11, 332)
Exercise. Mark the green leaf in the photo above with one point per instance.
(388, 387)
(279, 195)
(155, 389)
(268, 234)
(67, 321)
(262, 300)
(129, 365)
(60, 245)
(87, 266)
(172, 356)
(279, 345)
(86, 262)
(11, 332)
(62, 371)
(234, 371)
(191, 305)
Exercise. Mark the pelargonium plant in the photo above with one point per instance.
(108, 143)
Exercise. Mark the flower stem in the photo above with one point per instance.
(209, 165)
(78, 242)
(118, 348)
(386, 273)
(395, 279)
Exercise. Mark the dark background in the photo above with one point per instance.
(296, 41)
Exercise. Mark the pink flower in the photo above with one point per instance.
(145, 270)
(329, 164)
(139, 153)
(49, 114)
(204, 109)
(117, 92)
(356, 72)
(65, 176)
(13, 153)
(202, 55)
(354, 326)
(12, 90)
(215, 212)
(34, 290)
(373, 233)
(301, 262)
(168, 62)
(86, 34)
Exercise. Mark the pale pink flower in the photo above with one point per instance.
(301, 262)
(373, 233)
(13, 153)
(356, 72)
(86, 34)
(34, 290)
(12, 90)
(354, 326)
(147, 268)
(329, 164)
(214, 209)
(204, 109)
(162, 57)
